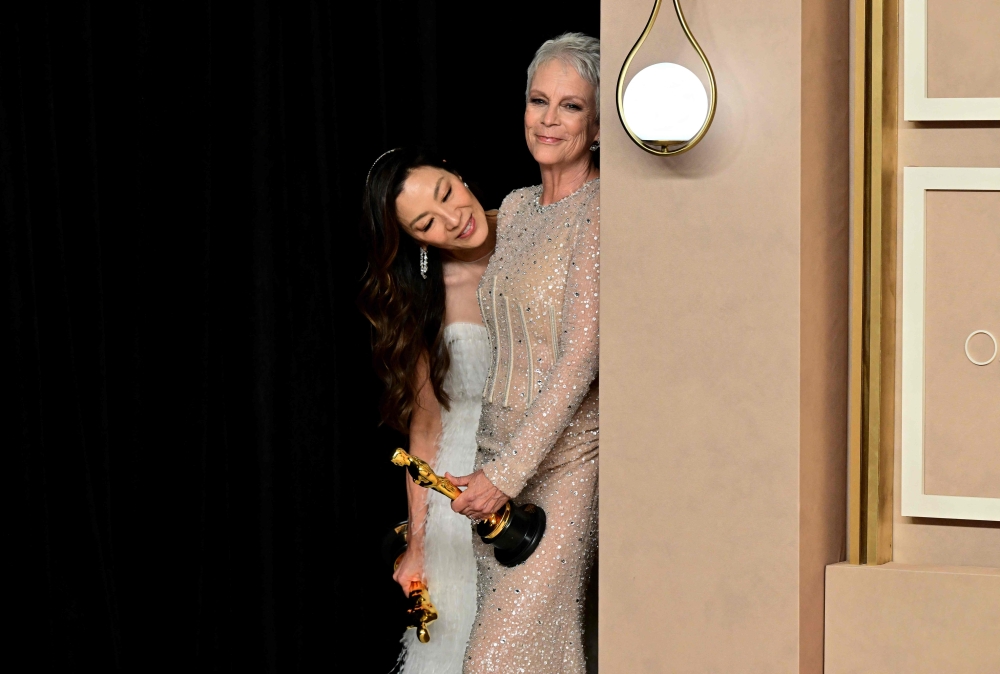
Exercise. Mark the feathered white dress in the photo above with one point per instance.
(449, 565)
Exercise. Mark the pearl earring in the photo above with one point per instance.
(596, 146)
(423, 262)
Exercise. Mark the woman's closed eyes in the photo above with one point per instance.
(431, 221)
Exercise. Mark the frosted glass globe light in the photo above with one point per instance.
(665, 102)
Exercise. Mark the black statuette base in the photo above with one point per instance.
(520, 537)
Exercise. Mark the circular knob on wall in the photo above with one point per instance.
(981, 362)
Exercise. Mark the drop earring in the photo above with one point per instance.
(596, 146)
(423, 262)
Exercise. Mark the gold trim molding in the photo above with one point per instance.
(873, 282)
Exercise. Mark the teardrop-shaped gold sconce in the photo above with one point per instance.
(652, 82)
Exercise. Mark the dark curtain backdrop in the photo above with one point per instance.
(197, 477)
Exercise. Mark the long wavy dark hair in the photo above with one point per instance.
(405, 310)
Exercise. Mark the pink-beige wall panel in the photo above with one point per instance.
(963, 49)
(961, 399)
(917, 620)
(823, 310)
(926, 540)
(710, 554)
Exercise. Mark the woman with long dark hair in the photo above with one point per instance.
(429, 241)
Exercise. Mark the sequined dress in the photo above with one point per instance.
(538, 434)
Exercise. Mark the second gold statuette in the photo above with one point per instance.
(514, 531)
(421, 612)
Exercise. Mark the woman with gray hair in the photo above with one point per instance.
(538, 433)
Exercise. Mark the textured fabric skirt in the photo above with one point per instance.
(530, 617)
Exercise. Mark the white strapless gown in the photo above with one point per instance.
(449, 565)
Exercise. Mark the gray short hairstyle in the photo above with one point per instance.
(576, 49)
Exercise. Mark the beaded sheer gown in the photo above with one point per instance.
(538, 433)
(449, 565)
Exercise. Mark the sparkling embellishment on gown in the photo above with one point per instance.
(449, 564)
(538, 434)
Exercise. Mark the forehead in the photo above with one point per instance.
(421, 179)
(418, 190)
(556, 77)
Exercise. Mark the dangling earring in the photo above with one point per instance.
(596, 146)
(423, 262)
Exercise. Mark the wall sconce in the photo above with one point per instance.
(666, 110)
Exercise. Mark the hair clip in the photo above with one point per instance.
(368, 179)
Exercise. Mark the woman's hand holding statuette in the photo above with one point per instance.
(480, 498)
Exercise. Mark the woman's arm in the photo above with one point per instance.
(425, 428)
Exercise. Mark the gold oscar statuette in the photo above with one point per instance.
(421, 611)
(514, 531)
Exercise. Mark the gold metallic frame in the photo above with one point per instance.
(662, 147)
(873, 283)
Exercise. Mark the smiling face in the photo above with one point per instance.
(437, 209)
(560, 118)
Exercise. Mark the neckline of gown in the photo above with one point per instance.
(538, 195)
(461, 325)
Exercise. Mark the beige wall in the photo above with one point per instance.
(917, 620)
(926, 540)
(963, 52)
(723, 359)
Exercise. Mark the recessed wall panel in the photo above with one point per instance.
(962, 400)
(963, 48)
(925, 540)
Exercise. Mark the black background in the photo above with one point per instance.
(196, 476)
